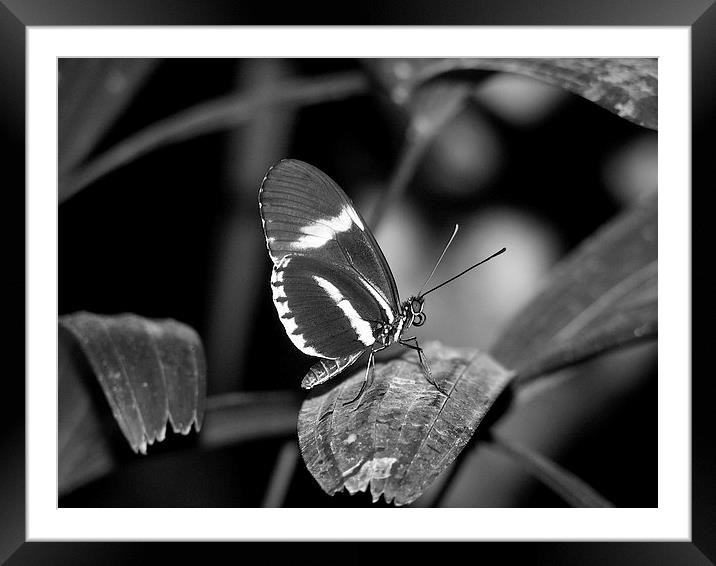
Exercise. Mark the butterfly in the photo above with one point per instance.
(332, 287)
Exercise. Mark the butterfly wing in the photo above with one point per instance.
(324, 308)
(304, 212)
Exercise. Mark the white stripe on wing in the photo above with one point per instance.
(320, 232)
(362, 327)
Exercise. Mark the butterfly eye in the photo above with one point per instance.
(416, 306)
(419, 319)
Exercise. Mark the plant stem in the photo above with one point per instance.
(238, 271)
(214, 115)
(92, 93)
(430, 110)
(565, 484)
(241, 417)
(282, 474)
(413, 149)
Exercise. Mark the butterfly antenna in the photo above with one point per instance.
(464, 272)
(438, 262)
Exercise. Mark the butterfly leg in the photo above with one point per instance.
(423, 361)
(367, 381)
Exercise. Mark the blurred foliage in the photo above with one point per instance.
(163, 229)
(627, 87)
(601, 297)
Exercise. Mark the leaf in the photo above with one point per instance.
(627, 87)
(601, 297)
(404, 432)
(150, 371)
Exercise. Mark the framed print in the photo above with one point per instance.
(264, 300)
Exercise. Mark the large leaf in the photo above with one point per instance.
(601, 297)
(627, 87)
(151, 372)
(404, 432)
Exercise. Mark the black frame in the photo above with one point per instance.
(15, 15)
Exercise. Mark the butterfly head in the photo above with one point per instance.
(413, 309)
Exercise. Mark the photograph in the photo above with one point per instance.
(332, 282)
(283, 276)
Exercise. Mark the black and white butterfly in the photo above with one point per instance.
(331, 284)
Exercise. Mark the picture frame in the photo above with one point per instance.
(16, 16)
